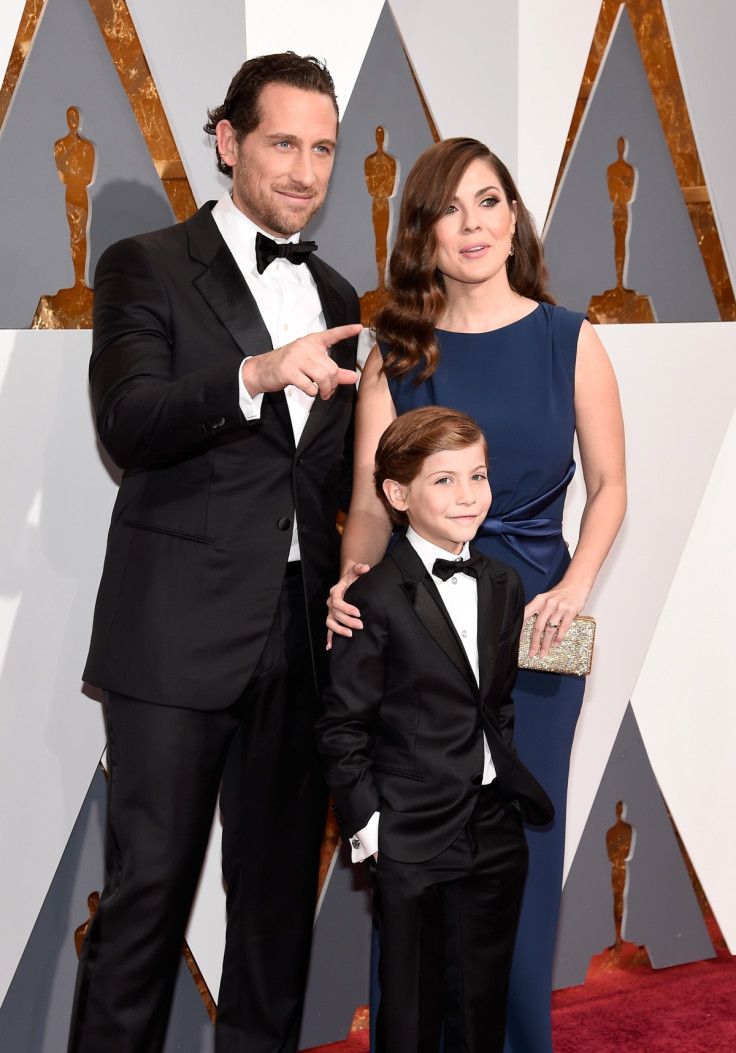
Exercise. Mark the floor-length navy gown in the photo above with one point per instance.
(518, 382)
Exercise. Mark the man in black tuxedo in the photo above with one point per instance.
(417, 743)
(222, 377)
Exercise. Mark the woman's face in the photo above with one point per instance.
(474, 235)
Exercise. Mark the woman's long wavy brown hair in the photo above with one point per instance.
(417, 298)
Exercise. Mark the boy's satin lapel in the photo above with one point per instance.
(490, 612)
(429, 608)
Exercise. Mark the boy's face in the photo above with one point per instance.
(448, 499)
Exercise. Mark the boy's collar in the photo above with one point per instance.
(429, 552)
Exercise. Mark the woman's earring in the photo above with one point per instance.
(512, 250)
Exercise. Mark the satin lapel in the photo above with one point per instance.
(489, 624)
(431, 612)
(226, 291)
(429, 608)
(335, 312)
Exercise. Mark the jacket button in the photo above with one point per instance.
(283, 523)
(476, 778)
(212, 425)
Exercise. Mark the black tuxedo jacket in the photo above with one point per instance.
(401, 732)
(202, 525)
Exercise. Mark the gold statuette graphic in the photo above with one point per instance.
(75, 163)
(621, 304)
(380, 178)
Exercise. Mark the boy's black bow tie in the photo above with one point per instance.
(268, 250)
(445, 568)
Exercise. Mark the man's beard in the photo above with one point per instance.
(271, 216)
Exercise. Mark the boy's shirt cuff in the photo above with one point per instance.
(365, 842)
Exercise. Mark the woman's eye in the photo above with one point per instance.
(489, 202)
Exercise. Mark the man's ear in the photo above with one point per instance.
(395, 493)
(227, 142)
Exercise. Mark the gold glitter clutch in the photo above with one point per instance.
(573, 657)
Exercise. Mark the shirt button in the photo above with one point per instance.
(454, 581)
(464, 634)
(285, 326)
(289, 392)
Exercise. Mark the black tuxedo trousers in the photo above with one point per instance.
(446, 928)
(166, 765)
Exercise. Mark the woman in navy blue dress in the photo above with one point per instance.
(469, 325)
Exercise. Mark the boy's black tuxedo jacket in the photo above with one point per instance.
(202, 524)
(401, 732)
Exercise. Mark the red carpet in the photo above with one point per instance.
(686, 1009)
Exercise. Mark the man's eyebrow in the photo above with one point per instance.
(278, 137)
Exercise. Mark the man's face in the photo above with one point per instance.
(282, 168)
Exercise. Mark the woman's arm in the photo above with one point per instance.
(367, 528)
(600, 431)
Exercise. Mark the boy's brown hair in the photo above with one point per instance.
(412, 438)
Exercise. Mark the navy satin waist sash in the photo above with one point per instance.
(531, 535)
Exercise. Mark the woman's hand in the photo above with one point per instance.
(555, 611)
(342, 617)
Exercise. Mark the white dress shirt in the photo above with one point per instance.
(460, 596)
(287, 298)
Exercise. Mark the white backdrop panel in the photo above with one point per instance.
(332, 30)
(57, 498)
(685, 697)
(554, 42)
(673, 440)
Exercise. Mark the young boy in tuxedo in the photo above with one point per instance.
(416, 739)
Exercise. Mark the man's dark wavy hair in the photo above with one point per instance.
(242, 102)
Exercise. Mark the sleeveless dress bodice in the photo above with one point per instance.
(518, 382)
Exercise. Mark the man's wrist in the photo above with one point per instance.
(248, 376)
(250, 405)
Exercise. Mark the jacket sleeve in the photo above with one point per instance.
(149, 410)
(358, 668)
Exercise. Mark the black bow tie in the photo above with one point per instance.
(267, 251)
(445, 568)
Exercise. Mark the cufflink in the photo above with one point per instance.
(355, 842)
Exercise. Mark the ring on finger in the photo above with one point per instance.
(553, 625)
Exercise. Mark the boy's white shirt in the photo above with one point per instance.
(460, 596)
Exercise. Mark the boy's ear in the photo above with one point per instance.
(395, 493)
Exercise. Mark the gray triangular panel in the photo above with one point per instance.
(661, 911)
(384, 94)
(68, 65)
(34, 1016)
(664, 261)
(340, 963)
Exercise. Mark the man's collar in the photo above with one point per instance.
(239, 231)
